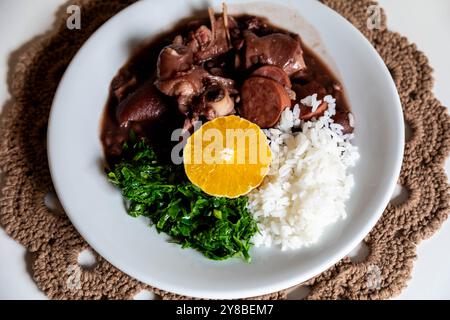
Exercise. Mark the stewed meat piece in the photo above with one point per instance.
(215, 102)
(184, 86)
(277, 49)
(187, 85)
(146, 104)
(174, 59)
(209, 43)
(263, 100)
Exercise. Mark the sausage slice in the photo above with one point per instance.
(306, 113)
(263, 100)
(274, 73)
(303, 91)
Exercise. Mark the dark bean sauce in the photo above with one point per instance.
(140, 71)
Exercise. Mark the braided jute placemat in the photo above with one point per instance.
(54, 244)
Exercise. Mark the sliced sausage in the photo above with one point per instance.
(174, 59)
(145, 104)
(262, 101)
(303, 91)
(210, 43)
(274, 73)
(306, 113)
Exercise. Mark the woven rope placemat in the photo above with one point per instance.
(54, 244)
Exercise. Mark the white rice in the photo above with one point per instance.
(308, 184)
(351, 120)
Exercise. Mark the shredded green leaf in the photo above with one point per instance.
(219, 228)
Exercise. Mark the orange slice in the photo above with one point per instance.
(227, 157)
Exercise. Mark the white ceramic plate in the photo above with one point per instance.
(96, 208)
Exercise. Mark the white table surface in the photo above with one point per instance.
(424, 22)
